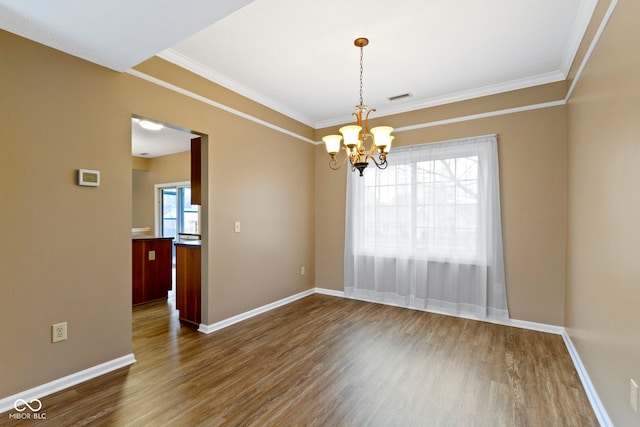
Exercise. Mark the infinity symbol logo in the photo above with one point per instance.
(21, 405)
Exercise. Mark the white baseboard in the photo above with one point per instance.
(523, 324)
(330, 292)
(594, 399)
(534, 326)
(46, 389)
(43, 390)
(207, 329)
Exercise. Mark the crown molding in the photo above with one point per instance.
(179, 59)
(215, 104)
(196, 67)
(584, 15)
(577, 33)
(538, 80)
(592, 46)
(488, 114)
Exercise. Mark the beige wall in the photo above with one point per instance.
(266, 183)
(139, 163)
(67, 254)
(258, 176)
(531, 150)
(603, 271)
(67, 247)
(160, 170)
(66, 251)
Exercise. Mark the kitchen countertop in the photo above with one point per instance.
(187, 242)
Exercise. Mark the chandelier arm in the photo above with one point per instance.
(383, 160)
(335, 164)
(366, 120)
(382, 165)
(358, 118)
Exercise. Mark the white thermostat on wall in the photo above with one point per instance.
(88, 177)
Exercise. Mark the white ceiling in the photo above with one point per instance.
(298, 58)
(156, 143)
(116, 34)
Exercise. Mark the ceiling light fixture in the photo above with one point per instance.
(356, 135)
(149, 125)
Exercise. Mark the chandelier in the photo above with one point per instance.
(355, 136)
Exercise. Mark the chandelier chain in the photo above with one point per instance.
(361, 69)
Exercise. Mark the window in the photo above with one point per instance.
(177, 214)
(189, 213)
(426, 231)
(428, 206)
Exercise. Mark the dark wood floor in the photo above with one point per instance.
(328, 361)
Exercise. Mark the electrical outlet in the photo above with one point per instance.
(59, 332)
(633, 396)
(237, 227)
(152, 255)
(302, 271)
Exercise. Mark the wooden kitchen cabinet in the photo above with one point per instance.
(188, 300)
(151, 268)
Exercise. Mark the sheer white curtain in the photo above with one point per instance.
(425, 233)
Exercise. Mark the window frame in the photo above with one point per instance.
(412, 249)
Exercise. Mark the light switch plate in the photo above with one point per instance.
(152, 255)
(237, 226)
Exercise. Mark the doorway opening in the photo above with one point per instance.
(162, 185)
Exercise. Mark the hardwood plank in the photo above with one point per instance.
(327, 361)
